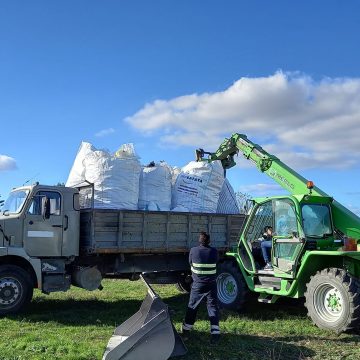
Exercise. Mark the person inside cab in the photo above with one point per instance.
(266, 245)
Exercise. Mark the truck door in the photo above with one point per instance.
(43, 237)
(287, 244)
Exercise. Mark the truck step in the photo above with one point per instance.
(272, 279)
(265, 272)
(266, 301)
(269, 282)
(265, 287)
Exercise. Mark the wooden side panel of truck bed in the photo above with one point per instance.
(127, 231)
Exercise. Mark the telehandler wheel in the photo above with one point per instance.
(231, 287)
(16, 289)
(333, 300)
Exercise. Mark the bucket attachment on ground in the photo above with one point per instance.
(149, 334)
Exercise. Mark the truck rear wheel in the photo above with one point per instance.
(333, 300)
(184, 285)
(16, 289)
(231, 287)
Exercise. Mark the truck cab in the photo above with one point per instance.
(43, 220)
(39, 235)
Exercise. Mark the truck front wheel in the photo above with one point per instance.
(231, 286)
(16, 289)
(333, 300)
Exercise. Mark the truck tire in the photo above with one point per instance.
(16, 289)
(232, 290)
(332, 299)
(184, 285)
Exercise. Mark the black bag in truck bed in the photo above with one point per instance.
(130, 231)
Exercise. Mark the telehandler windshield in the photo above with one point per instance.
(316, 221)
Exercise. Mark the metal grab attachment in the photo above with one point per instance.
(148, 334)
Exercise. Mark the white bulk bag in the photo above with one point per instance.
(155, 187)
(115, 179)
(227, 200)
(127, 151)
(77, 172)
(174, 174)
(198, 186)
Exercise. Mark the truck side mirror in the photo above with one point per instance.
(45, 207)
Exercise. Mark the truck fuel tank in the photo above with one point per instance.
(88, 278)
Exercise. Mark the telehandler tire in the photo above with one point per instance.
(232, 290)
(333, 300)
(16, 289)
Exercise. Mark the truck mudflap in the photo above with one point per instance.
(148, 334)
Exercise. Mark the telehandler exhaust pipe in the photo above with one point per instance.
(148, 334)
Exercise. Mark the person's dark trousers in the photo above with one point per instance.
(266, 248)
(199, 291)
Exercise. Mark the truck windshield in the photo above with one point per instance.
(316, 220)
(15, 201)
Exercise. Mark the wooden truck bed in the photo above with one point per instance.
(132, 231)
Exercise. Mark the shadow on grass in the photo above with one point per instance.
(283, 309)
(95, 312)
(234, 347)
(231, 346)
(79, 312)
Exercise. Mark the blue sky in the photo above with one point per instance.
(171, 76)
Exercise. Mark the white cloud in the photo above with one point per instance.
(7, 163)
(105, 132)
(307, 124)
(259, 190)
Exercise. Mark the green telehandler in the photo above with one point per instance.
(314, 248)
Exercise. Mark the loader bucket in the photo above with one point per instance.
(148, 334)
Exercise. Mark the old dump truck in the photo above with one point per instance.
(51, 237)
(315, 248)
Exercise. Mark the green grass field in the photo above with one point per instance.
(78, 324)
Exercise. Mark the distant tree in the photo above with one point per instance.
(241, 200)
(60, 184)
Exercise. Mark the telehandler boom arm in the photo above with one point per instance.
(344, 220)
